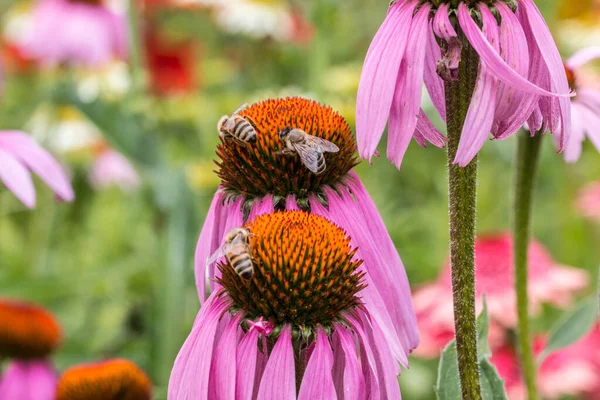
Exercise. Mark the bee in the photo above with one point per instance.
(241, 128)
(310, 148)
(237, 251)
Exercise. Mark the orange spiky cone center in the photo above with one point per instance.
(304, 272)
(27, 331)
(255, 170)
(108, 380)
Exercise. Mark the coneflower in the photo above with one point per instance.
(422, 42)
(115, 379)
(303, 326)
(28, 335)
(256, 180)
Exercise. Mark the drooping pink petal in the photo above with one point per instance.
(352, 382)
(591, 123)
(208, 243)
(17, 179)
(28, 380)
(433, 82)
(480, 116)
(574, 145)
(583, 56)
(375, 93)
(428, 132)
(447, 64)
(553, 61)
(223, 368)
(232, 214)
(279, 379)
(191, 371)
(369, 368)
(407, 94)
(317, 382)
(246, 358)
(492, 59)
(39, 161)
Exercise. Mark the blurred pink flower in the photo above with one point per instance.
(573, 371)
(519, 63)
(585, 107)
(18, 153)
(226, 355)
(549, 282)
(588, 201)
(77, 31)
(28, 380)
(112, 168)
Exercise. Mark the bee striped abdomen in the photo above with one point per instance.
(244, 131)
(242, 265)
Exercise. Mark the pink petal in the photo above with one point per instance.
(447, 64)
(223, 368)
(353, 381)
(17, 179)
(380, 70)
(261, 207)
(290, 203)
(368, 362)
(480, 115)
(246, 365)
(233, 217)
(407, 95)
(208, 242)
(583, 56)
(433, 83)
(574, 145)
(39, 161)
(552, 58)
(28, 380)
(317, 382)
(279, 379)
(426, 130)
(191, 371)
(492, 59)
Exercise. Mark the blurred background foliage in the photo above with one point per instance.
(116, 266)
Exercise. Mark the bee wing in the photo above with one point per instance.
(309, 154)
(220, 252)
(321, 144)
(240, 108)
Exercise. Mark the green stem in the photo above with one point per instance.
(527, 160)
(462, 196)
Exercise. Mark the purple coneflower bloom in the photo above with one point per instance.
(585, 107)
(257, 180)
(520, 71)
(76, 31)
(18, 154)
(111, 168)
(28, 335)
(301, 326)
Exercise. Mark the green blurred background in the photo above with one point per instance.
(116, 267)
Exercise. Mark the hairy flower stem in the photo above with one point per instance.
(528, 151)
(462, 204)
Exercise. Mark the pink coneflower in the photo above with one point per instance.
(494, 272)
(303, 325)
(588, 201)
(519, 62)
(585, 107)
(19, 154)
(28, 335)
(256, 180)
(111, 168)
(573, 371)
(76, 31)
(115, 379)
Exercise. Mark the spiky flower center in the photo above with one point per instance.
(108, 380)
(304, 272)
(88, 2)
(27, 331)
(257, 169)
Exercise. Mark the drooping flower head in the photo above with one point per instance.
(307, 304)
(585, 107)
(256, 179)
(115, 379)
(28, 335)
(83, 32)
(572, 371)
(549, 283)
(18, 154)
(520, 71)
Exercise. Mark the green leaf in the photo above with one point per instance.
(448, 386)
(571, 327)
